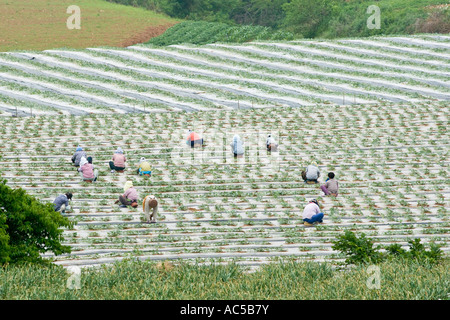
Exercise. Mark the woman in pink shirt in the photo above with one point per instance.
(118, 161)
(86, 169)
(312, 214)
(130, 196)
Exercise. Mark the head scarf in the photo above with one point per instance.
(83, 161)
(79, 148)
(89, 159)
(119, 150)
(142, 160)
(127, 186)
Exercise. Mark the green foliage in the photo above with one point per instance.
(306, 18)
(416, 251)
(202, 32)
(360, 250)
(4, 238)
(28, 227)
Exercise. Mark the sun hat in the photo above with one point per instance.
(127, 186)
(153, 203)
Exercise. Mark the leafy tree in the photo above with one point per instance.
(4, 238)
(28, 227)
(307, 17)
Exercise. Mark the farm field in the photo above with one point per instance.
(391, 162)
(144, 78)
(39, 25)
(374, 111)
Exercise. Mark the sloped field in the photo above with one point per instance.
(391, 161)
(223, 76)
(373, 111)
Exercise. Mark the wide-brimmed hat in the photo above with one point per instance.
(153, 203)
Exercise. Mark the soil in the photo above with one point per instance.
(146, 35)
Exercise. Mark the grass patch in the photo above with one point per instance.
(40, 25)
(400, 279)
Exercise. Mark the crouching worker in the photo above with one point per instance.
(271, 144)
(118, 161)
(129, 197)
(87, 171)
(144, 168)
(76, 158)
(61, 203)
(330, 188)
(194, 140)
(150, 204)
(237, 146)
(312, 214)
(311, 174)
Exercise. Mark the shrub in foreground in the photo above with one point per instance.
(361, 250)
(28, 227)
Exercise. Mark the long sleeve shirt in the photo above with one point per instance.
(88, 170)
(59, 201)
(312, 172)
(310, 210)
(119, 160)
(131, 194)
(332, 185)
(77, 157)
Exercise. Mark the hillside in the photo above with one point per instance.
(312, 19)
(40, 25)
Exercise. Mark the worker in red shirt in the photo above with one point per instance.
(194, 140)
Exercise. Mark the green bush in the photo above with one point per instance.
(203, 32)
(416, 251)
(28, 227)
(361, 250)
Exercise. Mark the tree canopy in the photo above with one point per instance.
(28, 227)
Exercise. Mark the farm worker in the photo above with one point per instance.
(118, 160)
(237, 146)
(194, 140)
(130, 196)
(144, 167)
(271, 144)
(331, 185)
(312, 214)
(77, 156)
(61, 202)
(312, 173)
(86, 169)
(150, 203)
